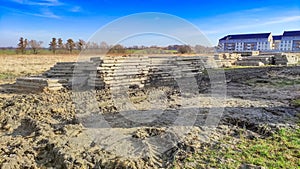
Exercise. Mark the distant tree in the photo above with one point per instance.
(135, 47)
(173, 47)
(153, 47)
(53, 45)
(25, 43)
(203, 49)
(91, 45)
(88, 45)
(143, 47)
(60, 44)
(104, 46)
(184, 49)
(22, 45)
(70, 45)
(35, 45)
(117, 49)
(94, 45)
(81, 44)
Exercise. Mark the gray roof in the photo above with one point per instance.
(246, 36)
(277, 37)
(291, 33)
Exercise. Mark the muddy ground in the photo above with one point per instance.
(91, 129)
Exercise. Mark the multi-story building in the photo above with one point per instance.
(246, 42)
(276, 42)
(290, 41)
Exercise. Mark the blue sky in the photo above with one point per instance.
(44, 19)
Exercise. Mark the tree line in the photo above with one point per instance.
(54, 45)
(24, 44)
(58, 45)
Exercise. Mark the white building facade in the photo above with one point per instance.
(246, 42)
(290, 41)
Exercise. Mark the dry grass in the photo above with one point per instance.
(13, 66)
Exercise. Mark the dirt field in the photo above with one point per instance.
(258, 128)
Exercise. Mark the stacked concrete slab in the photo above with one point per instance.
(255, 60)
(37, 84)
(116, 72)
(81, 73)
(226, 59)
(67, 70)
(54, 79)
(165, 71)
(61, 75)
(61, 70)
(76, 73)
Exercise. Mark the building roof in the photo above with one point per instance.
(246, 36)
(291, 33)
(277, 37)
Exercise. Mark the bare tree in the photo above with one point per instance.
(94, 45)
(53, 45)
(104, 46)
(25, 43)
(184, 49)
(70, 45)
(81, 44)
(60, 44)
(117, 49)
(22, 45)
(203, 49)
(35, 45)
(88, 45)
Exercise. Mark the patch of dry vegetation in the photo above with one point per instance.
(13, 66)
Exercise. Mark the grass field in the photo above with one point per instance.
(13, 66)
(40, 52)
(281, 150)
(75, 51)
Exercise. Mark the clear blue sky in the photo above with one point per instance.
(44, 19)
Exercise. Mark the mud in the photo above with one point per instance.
(92, 129)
